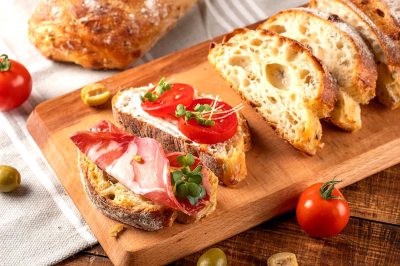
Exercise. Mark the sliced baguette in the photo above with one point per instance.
(341, 49)
(120, 203)
(284, 82)
(376, 22)
(227, 160)
(386, 15)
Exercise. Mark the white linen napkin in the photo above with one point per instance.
(39, 224)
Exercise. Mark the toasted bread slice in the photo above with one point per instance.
(386, 16)
(382, 39)
(340, 48)
(227, 160)
(284, 82)
(120, 203)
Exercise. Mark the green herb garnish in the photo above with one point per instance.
(162, 87)
(186, 182)
(197, 114)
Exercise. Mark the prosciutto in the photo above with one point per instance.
(140, 164)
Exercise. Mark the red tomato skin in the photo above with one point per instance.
(220, 132)
(165, 105)
(15, 86)
(319, 217)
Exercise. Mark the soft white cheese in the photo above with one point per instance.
(130, 103)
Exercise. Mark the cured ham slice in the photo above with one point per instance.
(140, 164)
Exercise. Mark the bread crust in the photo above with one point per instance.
(385, 15)
(148, 216)
(327, 95)
(141, 214)
(365, 67)
(229, 170)
(102, 34)
(323, 102)
(387, 53)
(388, 44)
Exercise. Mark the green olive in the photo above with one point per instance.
(95, 94)
(10, 179)
(212, 257)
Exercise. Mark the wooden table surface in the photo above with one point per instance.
(372, 236)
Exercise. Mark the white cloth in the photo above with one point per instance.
(39, 224)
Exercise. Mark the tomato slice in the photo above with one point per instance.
(225, 126)
(165, 105)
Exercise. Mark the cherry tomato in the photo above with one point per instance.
(15, 84)
(165, 105)
(225, 126)
(322, 210)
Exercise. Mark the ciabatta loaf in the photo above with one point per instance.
(227, 160)
(341, 49)
(284, 82)
(104, 34)
(119, 203)
(375, 20)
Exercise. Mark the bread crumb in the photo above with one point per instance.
(116, 230)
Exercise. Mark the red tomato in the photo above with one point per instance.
(165, 105)
(173, 160)
(15, 84)
(224, 128)
(322, 210)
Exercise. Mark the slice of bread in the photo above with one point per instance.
(227, 160)
(120, 203)
(382, 39)
(385, 14)
(340, 48)
(281, 79)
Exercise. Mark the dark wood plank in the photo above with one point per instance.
(96, 250)
(86, 259)
(374, 198)
(377, 198)
(361, 243)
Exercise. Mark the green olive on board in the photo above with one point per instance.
(95, 94)
(212, 257)
(10, 179)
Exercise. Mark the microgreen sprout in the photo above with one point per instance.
(162, 87)
(186, 182)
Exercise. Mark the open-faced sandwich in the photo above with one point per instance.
(183, 121)
(132, 180)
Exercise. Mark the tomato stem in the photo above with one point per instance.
(5, 64)
(327, 188)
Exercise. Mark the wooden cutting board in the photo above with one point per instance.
(276, 172)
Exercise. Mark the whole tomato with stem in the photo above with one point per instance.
(15, 83)
(322, 211)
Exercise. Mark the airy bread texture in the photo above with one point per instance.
(284, 82)
(341, 49)
(227, 160)
(102, 34)
(120, 203)
(385, 14)
(382, 39)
